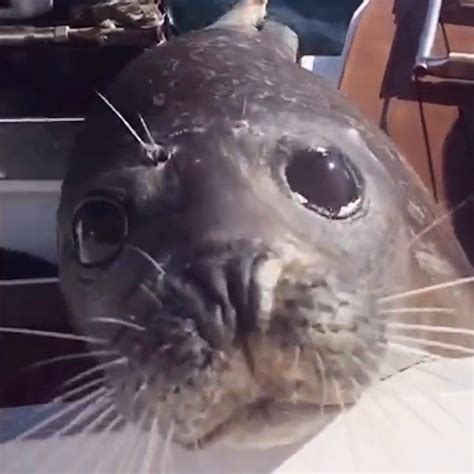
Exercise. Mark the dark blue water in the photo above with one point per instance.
(321, 24)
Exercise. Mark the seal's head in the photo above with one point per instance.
(241, 225)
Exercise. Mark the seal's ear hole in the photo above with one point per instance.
(99, 228)
(325, 181)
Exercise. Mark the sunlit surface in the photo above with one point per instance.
(419, 421)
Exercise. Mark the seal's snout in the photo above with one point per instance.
(222, 289)
(239, 333)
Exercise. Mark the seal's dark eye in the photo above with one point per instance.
(99, 228)
(325, 181)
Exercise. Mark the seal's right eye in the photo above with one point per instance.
(100, 226)
(325, 181)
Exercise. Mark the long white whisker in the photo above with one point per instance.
(76, 356)
(122, 119)
(91, 427)
(151, 447)
(132, 451)
(433, 400)
(166, 449)
(437, 221)
(147, 130)
(115, 422)
(93, 383)
(52, 334)
(84, 414)
(437, 404)
(434, 310)
(410, 350)
(99, 404)
(63, 397)
(129, 463)
(429, 342)
(428, 328)
(68, 409)
(324, 385)
(120, 447)
(385, 413)
(118, 322)
(427, 289)
(350, 435)
(93, 370)
(393, 394)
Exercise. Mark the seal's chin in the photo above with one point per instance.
(269, 423)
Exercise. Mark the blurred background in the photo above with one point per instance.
(320, 24)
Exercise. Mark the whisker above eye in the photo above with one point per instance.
(430, 328)
(118, 322)
(147, 130)
(426, 289)
(53, 334)
(434, 344)
(121, 118)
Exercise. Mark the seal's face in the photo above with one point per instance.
(241, 253)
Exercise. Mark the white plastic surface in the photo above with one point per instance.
(28, 216)
(415, 422)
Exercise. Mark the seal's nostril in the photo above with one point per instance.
(224, 278)
(243, 289)
(216, 315)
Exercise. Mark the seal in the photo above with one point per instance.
(246, 243)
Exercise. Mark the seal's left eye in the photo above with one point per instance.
(100, 227)
(325, 181)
